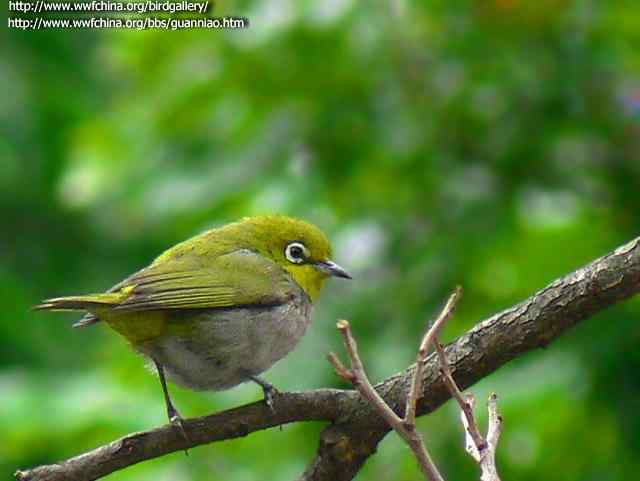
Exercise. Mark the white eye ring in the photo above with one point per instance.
(296, 252)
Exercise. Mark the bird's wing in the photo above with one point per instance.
(239, 278)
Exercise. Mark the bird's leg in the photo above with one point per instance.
(267, 388)
(172, 412)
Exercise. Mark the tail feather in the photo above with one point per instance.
(78, 303)
(87, 320)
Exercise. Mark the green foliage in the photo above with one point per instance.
(492, 144)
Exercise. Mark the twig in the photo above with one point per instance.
(359, 377)
(488, 461)
(360, 381)
(416, 382)
(481, 450)
(485, 457)
(406, 426)
(469, 423)
(466, 405)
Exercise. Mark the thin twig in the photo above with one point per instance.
(360, 381)
(481, 450)
(470, 445)
(495, 421)
(341, 370)
(466, 405)
(488, 461)
(416, 382)
(485, 457)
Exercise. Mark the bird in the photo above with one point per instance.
(220, 308)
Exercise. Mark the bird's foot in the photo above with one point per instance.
(269, 390)
(270, 393)
(178, 421)
(172, 413)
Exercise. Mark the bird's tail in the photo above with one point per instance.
(78, 303)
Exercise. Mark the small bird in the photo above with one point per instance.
(220, 308)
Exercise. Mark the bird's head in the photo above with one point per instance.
(298, 247)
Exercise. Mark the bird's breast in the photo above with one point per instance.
(223, 347)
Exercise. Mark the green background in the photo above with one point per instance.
(488, 143)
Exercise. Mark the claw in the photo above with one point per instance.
(269, 391)
(176, 420)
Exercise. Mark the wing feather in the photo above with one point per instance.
(240, 278)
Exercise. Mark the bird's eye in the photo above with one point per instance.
(296, 252)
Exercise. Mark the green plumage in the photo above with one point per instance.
(211, 270)
(221, 307)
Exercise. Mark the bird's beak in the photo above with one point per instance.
(332, 269)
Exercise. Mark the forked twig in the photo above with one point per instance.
(429, 338)
(466, 404)
(406, 426)
(485, 456)
(482, 450)
(358, 377)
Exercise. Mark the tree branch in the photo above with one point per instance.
(357, 428)
(319, 405)
(531, 324)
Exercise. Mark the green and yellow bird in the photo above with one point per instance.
(220, 308)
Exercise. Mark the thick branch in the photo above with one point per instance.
(357, 429)
(493, 342)
(321, 405)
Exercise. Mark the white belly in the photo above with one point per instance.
(230, 345)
